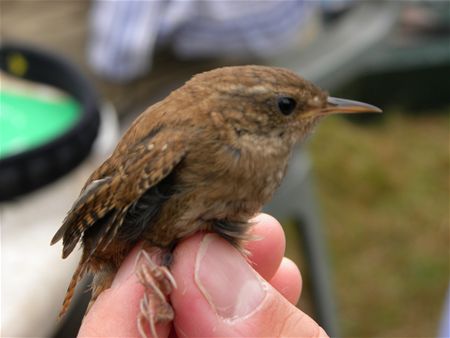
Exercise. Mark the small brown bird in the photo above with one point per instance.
(206, 158)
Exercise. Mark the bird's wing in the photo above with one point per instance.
(103, 204)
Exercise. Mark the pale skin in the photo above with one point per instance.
(271, 313)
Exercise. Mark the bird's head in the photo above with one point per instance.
(268, 101)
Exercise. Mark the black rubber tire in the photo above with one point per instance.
(26, 171)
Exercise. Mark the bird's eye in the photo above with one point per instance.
(286, 105)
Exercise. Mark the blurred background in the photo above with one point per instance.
(365, 204)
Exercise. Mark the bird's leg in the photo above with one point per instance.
(158, 283)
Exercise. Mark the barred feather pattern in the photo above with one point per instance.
(105, 202)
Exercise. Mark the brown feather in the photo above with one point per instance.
(76, 277)
(149, 162)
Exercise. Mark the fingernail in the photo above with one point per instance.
(230, 285)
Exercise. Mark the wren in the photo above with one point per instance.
(206, 158)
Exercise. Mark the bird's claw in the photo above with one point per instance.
(158, 283)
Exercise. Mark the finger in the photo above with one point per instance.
(267, 251)
(219, 294)
(115, 312)
(288, 281)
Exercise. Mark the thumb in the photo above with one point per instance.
(219, 294)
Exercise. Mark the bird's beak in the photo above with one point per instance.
(343, 106)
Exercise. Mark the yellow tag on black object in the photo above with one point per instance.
(17, 64)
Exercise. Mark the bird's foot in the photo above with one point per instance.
(158, 283)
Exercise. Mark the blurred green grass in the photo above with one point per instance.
(383, 190)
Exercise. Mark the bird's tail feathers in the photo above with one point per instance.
(76, 277)
(94, 203)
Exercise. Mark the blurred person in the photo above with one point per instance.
(124, 34)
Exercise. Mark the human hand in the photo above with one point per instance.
(218, 293)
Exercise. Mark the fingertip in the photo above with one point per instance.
(322, 333)
(267, 251)
(266, 221)
(288, 280)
